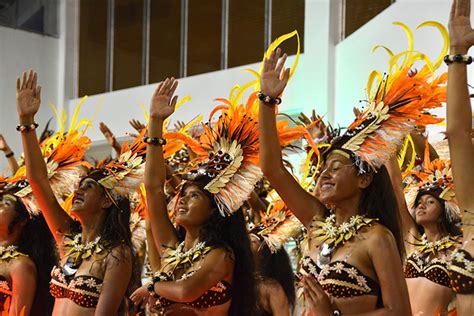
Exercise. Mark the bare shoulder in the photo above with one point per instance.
(22, 265)
(221, 256)
(380, 236)
(120, 253)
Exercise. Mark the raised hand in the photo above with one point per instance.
(179, 125)
(315, 125)
(3, 144)
(163, 102)
(461, 33)
(137, 125)
(28, 95)
(109, 136)
(274, 78)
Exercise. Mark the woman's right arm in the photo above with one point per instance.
(304, 205)
(162, 106)
(28, 99)
(408, 226)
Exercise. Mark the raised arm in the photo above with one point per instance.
(12, 163)
(273, 81)
(408, 228)
(162, 106)
(459, 111)
(28, 99)
(110, 138)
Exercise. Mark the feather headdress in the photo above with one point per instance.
(123, 175)
(63, 153)
(397, 105)
(277, 225)
(228, 149)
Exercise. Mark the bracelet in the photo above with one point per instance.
(27, 128)
(268, 99)
(151, 289)
(466, 59)
(154, 141)
(336, 312)
(9, 155)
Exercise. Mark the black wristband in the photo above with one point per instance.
(336, 312)
(268, 99)
(466, 59)
(10, 154)
(154, 141)
(27, 128)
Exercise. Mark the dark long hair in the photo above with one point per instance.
(116, 233)
(378, 201)
(277, 266)
(445, 224)
(230, 233)
(37, 242)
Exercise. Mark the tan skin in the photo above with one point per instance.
(340, 187)
(193, 210)
(20, 272)
(422, 291)
(459, 129)
(110, 137)
(89, 208)
(271, 296)
(12, 163)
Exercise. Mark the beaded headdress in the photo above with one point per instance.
(228, 149)
(63, 153)
(277, 225)
(397, 105)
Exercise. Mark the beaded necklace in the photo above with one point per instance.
(424, 246)
(332, 236)
(179, 258)
(78, 252)
(9, 252)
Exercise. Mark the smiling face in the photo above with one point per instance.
(89, 197)
(339, 180)
(194, 207)
(428, 210)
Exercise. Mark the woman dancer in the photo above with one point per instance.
(27, 256)
(95, 251)
(431, 236)
(459, 129)
(206, 264)
(354, 265)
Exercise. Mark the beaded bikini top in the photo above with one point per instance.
(421, 263)
(84, 290)
(338, 278)
(461, 272)
(177, 258)
(341, 279)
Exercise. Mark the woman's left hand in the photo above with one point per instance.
(141, 296)
(274, 78)
(316, 297)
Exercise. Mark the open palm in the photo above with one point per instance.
(273, 79)
(460, 31)
(28, 95)
(163, 102)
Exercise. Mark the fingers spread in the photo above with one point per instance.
(23, 83)
(281, 64)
